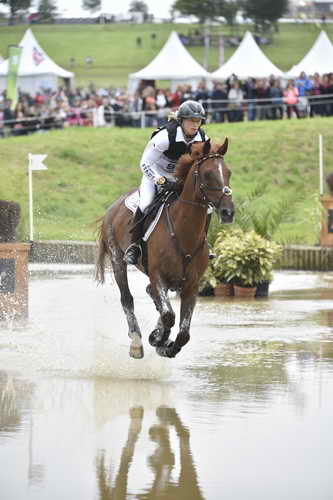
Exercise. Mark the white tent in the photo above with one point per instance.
(174, 63)
(319, 58)
(247, 60)
(36, 69)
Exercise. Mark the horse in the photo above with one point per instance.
(177, 249)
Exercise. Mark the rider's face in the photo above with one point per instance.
(191, 125)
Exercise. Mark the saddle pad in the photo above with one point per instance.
(132, 203)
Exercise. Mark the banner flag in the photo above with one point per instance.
(13, 66)
(36, 162)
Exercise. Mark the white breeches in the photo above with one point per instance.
(147, 192)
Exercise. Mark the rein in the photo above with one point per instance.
(205, 203)
(186, 257)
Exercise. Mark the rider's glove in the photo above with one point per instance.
(166, 185)
(169, 186)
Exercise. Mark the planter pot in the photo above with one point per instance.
(262, 289)
(224, 290)
(207, 291)
(246, 292)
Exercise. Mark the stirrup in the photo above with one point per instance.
(133, 253)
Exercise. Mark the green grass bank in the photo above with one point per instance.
(115, 54)
(274, 164)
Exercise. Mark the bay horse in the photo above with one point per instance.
(177, 249)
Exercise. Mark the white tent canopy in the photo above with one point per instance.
(36, 69)
(173, 63)
(319, 59)
(247, 60)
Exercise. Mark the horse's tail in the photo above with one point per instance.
(102, 252)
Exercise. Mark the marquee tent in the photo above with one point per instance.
(173, 63)
(36, 69)
(319, 58)
(247, 60)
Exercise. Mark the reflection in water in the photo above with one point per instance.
(254, 371)
(161, 462)
(14, 397)
(118, 490)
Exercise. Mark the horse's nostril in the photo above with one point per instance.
(226, 212)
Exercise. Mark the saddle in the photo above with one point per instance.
(153, 212)
(151, 217)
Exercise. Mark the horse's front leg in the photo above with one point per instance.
(127, 302)
(188, 300)
(159, 293)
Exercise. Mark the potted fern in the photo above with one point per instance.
(244, 259)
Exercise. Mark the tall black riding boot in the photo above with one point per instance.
(133, 252)
(211, 255)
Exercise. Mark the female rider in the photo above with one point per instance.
(158, 163)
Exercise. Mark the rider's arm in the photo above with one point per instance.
(152, 154)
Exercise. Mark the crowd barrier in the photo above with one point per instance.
(217, 111)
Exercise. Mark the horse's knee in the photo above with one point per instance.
(168, 319)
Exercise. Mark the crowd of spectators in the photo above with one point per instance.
(233, 100)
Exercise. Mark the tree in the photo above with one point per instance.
(208, 9)
(15, 6)
(47, 11)
(202, 9)
(92, 5)
(264, 11)
(138, 6)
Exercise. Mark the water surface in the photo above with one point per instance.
(244, 412)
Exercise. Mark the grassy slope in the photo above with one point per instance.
(113, 47)
(89, 168)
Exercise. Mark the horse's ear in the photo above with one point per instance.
(224, 148)
(206, 147)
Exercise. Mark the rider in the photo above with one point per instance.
(158, 162)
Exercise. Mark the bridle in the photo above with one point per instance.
(203, 187)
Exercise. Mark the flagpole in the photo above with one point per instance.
(321, 166)
(30, 200)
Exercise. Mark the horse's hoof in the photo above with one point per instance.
(153, 337)
(156, 338)
(166, 350)
(136, 349)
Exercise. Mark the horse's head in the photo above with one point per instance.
(212, 178)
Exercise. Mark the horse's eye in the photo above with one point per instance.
(227, 191)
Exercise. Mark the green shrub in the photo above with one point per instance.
(243, 258)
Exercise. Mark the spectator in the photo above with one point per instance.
(291, 99)
(235, 98)
(316, 91)
(303, 85)
(162, 105)
(219, 107)
(276, 94)
(250, 91)
(262, 94)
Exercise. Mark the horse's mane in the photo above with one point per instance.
(186, 161)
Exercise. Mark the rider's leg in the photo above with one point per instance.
(211, 255)
(147, 193)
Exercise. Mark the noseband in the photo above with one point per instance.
(203, 187)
